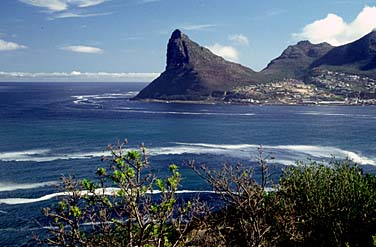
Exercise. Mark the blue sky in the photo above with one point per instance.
(125, 40)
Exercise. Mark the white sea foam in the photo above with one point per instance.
(283, 154)
(116, 95)
(46, 155)
(107, 191)
(327, 152)
(14, 186)
(90, 99)
(220, 146)
(111, 191)
(286, 154)
(16, 201)
(240, 150)
(130, 110)
(13, 201)
(22, 155)
(316, 113)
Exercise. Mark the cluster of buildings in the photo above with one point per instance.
(323, 87)
(348, 85)
(289, 91)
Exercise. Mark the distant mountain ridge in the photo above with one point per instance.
(295, 61)
(359, 55)
(194, 73)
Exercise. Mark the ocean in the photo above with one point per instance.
(50, 130)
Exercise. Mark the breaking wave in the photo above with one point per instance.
(16, 201)
(46, 155)
(317, 113)
(106, 191)
(282, 154)
(22, 155)
(90, 99)
(25, 186)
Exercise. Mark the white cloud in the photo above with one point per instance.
(53, 5)
(190, 27)
(9, 46)
(60, 5)
(83, 49)
(76, 76)
(86, 3)
(77, 15)
(227, 52)
(239, 38)
(334, 30)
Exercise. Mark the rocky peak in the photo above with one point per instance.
(306, 48)
(295, 60)
(182, 52)
(177, 51)
(177, 34)
(304, 43)
(194, 72)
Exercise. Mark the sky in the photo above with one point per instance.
(125, 40)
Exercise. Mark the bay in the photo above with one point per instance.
(49, 130)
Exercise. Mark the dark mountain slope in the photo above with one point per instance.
(195, 73)
(358, 56)
(295, 61)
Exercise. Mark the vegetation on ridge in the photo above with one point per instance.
(311, 205)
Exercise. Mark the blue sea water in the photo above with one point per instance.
(49, 130)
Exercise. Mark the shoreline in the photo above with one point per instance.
(206, 102)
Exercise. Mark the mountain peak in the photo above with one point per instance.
(304, 43)
(177, 51)
(295, 60)
(177, 34)
(194, 72)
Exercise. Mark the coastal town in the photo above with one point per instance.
(324, 88)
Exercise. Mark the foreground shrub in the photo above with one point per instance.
(248, 206)
(330, 205)
(126, 215)
(311, 205)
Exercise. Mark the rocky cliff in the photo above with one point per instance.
(195, 73)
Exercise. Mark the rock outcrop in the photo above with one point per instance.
(193, 72)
